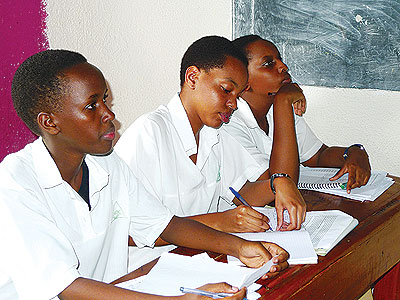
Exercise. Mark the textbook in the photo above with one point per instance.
(317, 179)
(325, 229)
(328, 228)
(173, 271)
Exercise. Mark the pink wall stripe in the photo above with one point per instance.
(22, 33)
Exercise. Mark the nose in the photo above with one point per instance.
(282, 67)
(232, 103)
(108, 115)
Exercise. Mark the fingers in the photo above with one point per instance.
(221, 287)
(299, 106)
(239, 295)
(357, 178)
(357, 175)
(275, 269)
(279, 215)
(254, 254)
(279, 254)
(288, 197)
(280, 257)
(350, 183)
(339, 173)
(250, 220)
(297, 215)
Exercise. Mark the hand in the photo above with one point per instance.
(299, 107)
(218, 288)
(256, 254)
(244, 219)
(293, 93)
(288, 197)
(358, 167)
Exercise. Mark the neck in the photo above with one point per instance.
(195, 122)
(69, 165)
(259, 105)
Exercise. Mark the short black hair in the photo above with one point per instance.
(38, 84)
(242, 42)
(209, 52)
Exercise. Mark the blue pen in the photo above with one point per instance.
(205, 293)
(241, 199)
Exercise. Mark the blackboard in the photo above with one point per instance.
(345, 43)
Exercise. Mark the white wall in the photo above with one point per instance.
(348, 116)
(138, 46)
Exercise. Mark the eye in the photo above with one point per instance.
(227, 91)
(105, 98)
(91, 106)
(268, 63)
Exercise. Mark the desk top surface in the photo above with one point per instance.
(347, 271)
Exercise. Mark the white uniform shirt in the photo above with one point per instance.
(157, 147)
(48, 235)
(243, 126)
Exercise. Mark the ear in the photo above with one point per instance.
(191, 75)
(247, 88)
(46, 123)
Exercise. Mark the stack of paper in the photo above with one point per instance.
(174, 271)
(313, 178)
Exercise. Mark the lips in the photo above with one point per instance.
(110, 135)
(225, 116)
(287, 80)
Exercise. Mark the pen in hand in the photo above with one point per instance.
(241, 199)
(205, 293)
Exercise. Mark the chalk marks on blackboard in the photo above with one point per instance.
(346, 43)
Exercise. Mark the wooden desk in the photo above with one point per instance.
(349, 269)
(360, 259)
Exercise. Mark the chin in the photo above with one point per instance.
(216, 125)
(103, 152)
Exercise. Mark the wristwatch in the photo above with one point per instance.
(276, 175)
(345, 153)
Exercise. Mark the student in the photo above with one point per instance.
(184, 160)
(68, 205)
(261, 129)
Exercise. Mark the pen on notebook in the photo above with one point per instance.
(241, 199)
(205, 293)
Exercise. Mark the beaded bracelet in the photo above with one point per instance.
(276, 175)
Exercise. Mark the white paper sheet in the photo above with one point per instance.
(173, 271)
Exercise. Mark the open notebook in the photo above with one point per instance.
(317, 179)
(328, 228)
(321, 231)
(297, 243)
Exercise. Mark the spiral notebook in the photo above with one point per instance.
(317, 179)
